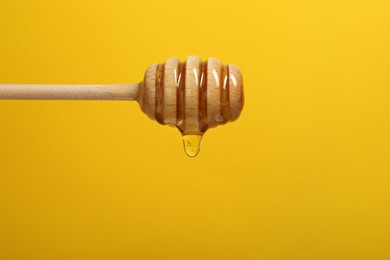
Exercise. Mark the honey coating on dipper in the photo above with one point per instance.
(193, 96)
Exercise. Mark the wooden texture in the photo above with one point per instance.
(69, 92)
(192, 95)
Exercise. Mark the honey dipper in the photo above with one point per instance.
(192, 95)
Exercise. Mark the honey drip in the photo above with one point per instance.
(192, 144)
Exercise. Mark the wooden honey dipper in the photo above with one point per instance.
(192, 95)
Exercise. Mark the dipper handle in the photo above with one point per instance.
(69, 92)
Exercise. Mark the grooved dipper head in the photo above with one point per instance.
(192, 95)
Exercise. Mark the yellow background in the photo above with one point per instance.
(303, 174)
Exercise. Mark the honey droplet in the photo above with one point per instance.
(192, 144)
